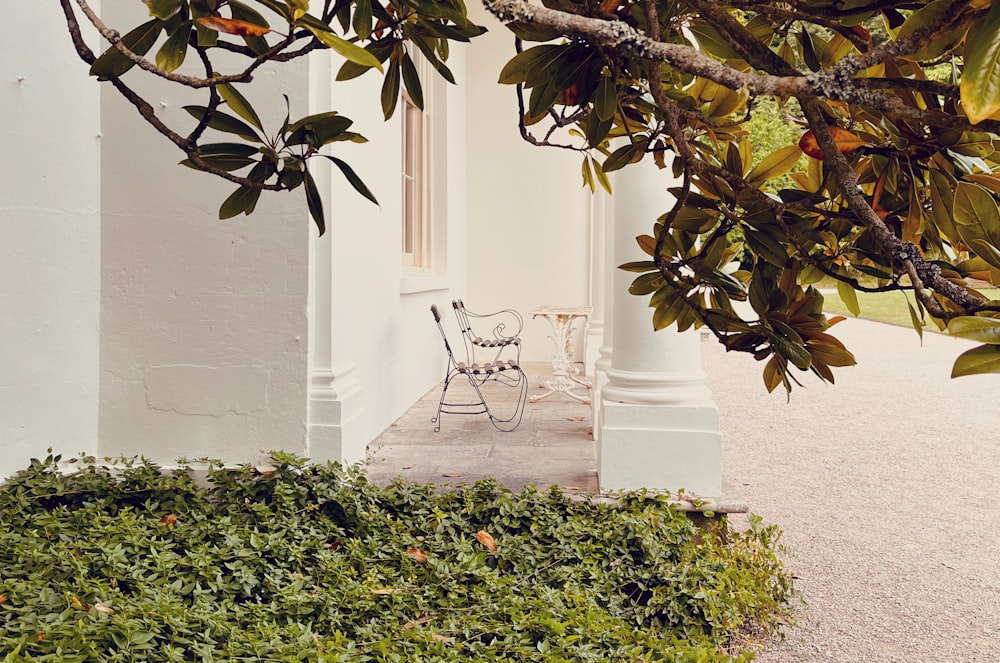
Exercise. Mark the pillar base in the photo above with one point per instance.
(660, 447)
(335, 422)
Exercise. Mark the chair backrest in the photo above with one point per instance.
(491, 333)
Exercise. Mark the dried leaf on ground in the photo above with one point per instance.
(417, 555)
(484, 537)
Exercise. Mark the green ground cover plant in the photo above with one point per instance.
(299, 562)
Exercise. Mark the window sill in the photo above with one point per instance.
(413, 283)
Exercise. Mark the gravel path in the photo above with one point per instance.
(887, 486)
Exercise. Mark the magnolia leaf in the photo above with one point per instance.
(171, 55)
(352, 52)
(933, 13)
(233, 26)
(915, 320)
(831, 355)
(353, 178)
(978, 360)
(980, 84)
(606, 99)
(163, 9)
(411, 81)
(850, 298)
(239, 104)
(484, 537)
(390, 91)
(224, 122)
(775, 164)
(975, 328)
(362, 21)
(845, 141)
(315, 203)
(113, 63)
(241, 201)
(773, 376)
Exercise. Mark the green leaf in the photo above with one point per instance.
(606, 99)
(601, 175)
(412, 82)
(808, 50)
(239, 104)
(975, 328)
(621, 157)
(978, 360)
(318, 130)
(647, 284)
(639, 266)
(390, 91)
(588, 175)
(519, 67)
(353, 178)
(315, 203)
(241, 201)
(113, 63)
(352, 52)
(163, 9)
(435, 62)
(226, 156)
(915, 320)
(171, 55)
(362, 21)
(977, 220)
(775, 164)
(224, 122)
(980, 84)
(850, 298)
(711, 42)
(933, 13)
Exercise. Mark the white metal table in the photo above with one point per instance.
(565, 374)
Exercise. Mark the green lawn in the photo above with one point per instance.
(888, 307)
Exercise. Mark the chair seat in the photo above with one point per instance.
(495, 343)
(487, 368)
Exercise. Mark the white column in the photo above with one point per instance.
(603, 278)
(335, 394)
(659, 426)
(595, 326)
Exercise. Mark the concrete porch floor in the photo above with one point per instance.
(553, 444)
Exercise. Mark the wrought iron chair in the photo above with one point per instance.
(499, 371)
(502, 337)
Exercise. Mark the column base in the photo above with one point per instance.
(336, 431)
(660, 447)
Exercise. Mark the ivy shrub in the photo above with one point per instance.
(301, 562)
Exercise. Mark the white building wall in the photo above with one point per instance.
(528, 214)
(203, 322)
(383, 334)
(50, 228)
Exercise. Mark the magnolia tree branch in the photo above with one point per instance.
(114, 38)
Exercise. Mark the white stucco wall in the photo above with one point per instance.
(50, 224)
(203, 322)
(528, 215)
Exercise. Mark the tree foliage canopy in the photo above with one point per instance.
(900, 107)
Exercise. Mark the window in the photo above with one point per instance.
(416, 231)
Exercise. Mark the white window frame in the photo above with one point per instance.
(416, 232)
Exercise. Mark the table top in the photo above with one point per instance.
(582, 311)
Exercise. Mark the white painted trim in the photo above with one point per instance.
(412, 283)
